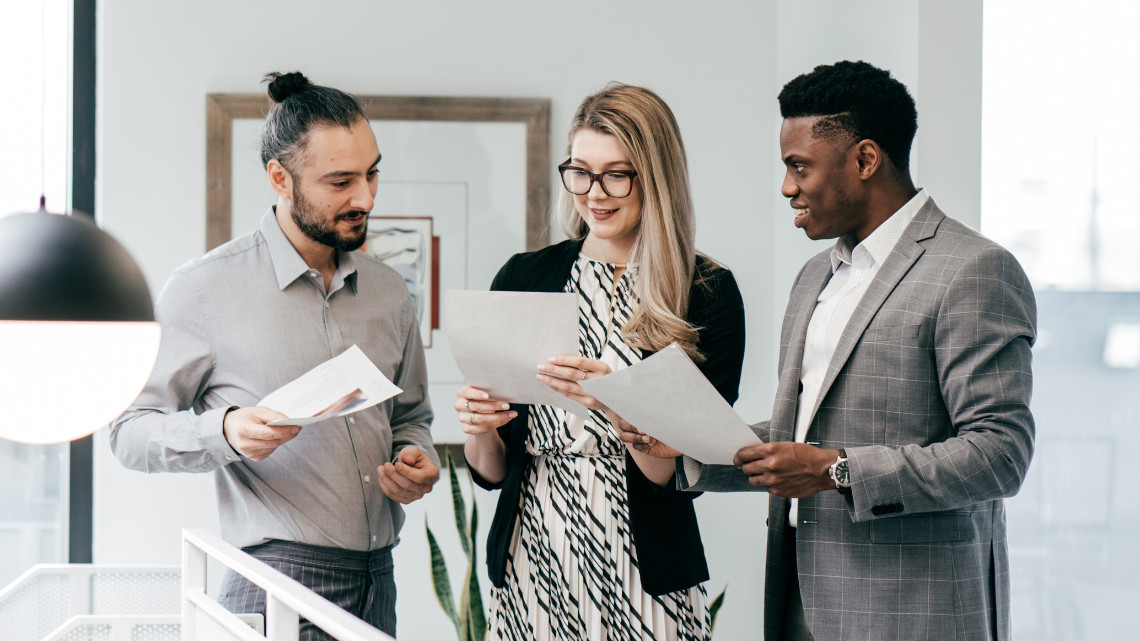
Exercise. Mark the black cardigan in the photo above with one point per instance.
(664, 526)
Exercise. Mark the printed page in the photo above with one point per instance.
(668, 398)
(498, 339)
(340, 386)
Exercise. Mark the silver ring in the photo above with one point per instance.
(468, 404)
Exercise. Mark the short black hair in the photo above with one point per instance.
(300, 106)
(858, 100)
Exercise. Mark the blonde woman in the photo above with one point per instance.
(589, 540)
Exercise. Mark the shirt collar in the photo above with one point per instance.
(288, 264)
(876, 247)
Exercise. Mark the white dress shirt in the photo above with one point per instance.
(853, 269)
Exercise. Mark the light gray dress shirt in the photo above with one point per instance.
(237, 324)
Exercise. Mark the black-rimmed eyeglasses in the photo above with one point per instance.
(578, 181)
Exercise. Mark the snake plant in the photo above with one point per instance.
(469, 620)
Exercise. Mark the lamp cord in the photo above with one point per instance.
(43, 105)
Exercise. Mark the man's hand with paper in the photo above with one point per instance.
(247, 430)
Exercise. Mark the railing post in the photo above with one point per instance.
(79, 583)
(193, 581)
(281, 622)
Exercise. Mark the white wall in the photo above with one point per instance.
(719, 65)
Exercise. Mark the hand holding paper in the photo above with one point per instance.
(667, 397)
(340, 386)
(248, 432)
(564, 373)
(499, 338)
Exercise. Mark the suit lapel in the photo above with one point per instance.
(897, 264)
(805, 296)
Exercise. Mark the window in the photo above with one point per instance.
(1058, 172)
(35, 128)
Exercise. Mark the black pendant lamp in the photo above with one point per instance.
(77, 333)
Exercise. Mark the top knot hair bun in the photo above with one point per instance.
(283, 85)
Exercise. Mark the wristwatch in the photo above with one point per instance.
(840, 473)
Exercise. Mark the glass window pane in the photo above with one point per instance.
(1058, 158)
(33, 506)
(35, 129)
(35, 114)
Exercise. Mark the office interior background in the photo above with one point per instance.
(1025, 131)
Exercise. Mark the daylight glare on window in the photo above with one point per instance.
(1059, 145)
(34, 132)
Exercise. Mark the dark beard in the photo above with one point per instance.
(321, 232)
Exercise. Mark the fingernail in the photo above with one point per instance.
(542, 368)
(296, 431)
(514, 414)
(486, 396)
(505, 406)
(551, 359)
(539, 377)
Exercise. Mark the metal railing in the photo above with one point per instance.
(47, 596)
(131, 628)
(286, 600)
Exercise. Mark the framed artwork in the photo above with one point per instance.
(464, 183)
(407, 245)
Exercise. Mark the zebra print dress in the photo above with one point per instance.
(572, 572)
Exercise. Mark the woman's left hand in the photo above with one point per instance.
(563, 373)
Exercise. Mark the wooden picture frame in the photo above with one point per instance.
(223, 109)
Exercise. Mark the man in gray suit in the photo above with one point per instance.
(902, 417)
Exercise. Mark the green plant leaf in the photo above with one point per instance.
(714, 608)
(469, 619)
(440, 581)
(459, 506)
(475, 594)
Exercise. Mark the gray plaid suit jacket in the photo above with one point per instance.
(928, 391)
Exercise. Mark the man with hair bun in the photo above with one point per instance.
(901, 418)
(321, 504)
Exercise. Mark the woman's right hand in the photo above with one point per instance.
(479, 413)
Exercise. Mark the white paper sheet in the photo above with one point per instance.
(498, 340)
(668, 398)
(337, 387)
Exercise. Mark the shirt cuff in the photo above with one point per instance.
(689, 472)
(214, 438)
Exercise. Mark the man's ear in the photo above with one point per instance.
(280, 180)
(869, 158)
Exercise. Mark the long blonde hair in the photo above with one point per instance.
(664, 250)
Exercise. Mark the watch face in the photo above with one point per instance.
(842, 474)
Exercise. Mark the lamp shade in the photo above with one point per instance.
(77, 333)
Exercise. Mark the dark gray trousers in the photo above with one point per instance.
(362, 583)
